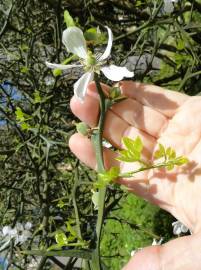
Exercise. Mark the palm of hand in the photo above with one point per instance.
(157, 116)
(177, 191)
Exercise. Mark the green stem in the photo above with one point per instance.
(97, 142)
(131, 174)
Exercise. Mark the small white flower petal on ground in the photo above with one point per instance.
(13, 233)
(115, 73)
(108, 49)
(168, 5)
(179, 228)
(60, 66)
(6, 230)
(133, 252)
(19, 226)
(157, 242)
(28, 225)
(75, 42)
(80, 87)
(24, 236)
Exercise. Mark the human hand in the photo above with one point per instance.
(157, 116)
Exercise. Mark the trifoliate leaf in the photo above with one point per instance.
(133, 145)
(68, 19)
(133, 151)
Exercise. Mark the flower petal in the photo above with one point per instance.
(6, 230)
(115, 73)
(75, 42)
(107, 51)
(80, 87)
(28, 225)
(63, 67)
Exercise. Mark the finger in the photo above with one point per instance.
(88, 111)
(165, 101)
(140, 116)
(135, 114)
(183, 253)
(115, 129)
(82, 147)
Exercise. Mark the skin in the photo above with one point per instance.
(157, 116)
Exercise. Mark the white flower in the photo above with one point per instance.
(19, 226)
(74, 41)
(168, 5)
(6, 230)
(28, 226)
(20, 234)
(179, 228)
(157, 243)
(133, 252)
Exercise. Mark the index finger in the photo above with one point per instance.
(162, 100)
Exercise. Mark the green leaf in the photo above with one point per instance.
(82, 128)
(61, 238)
(57, 72)
(68, 19)
(19, 115)
(127, 156)
(24, 70)
(107, 177)
(25, 126)
(133, 145)
(37, 97)
(170, 153)
(133, 151)
(70, 229)
(91, 34)
(160, 152)
(181, 161)
(54, 247)
(95, 36)
(115, 92)
(170, 167)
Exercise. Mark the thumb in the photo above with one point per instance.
(183, 253)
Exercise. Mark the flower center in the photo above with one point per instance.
(91, 60)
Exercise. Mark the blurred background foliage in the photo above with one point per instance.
(40, 179)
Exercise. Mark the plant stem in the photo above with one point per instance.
(97, 141)
(131, 174)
